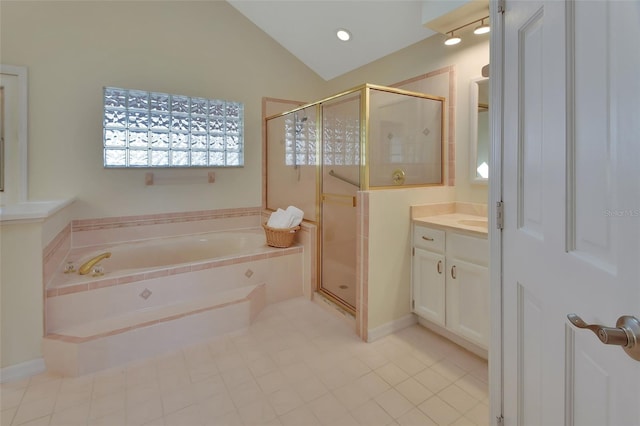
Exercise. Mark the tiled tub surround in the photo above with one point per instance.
(94, 323)
(55, 252)
(90, 232)
(112, 230)
(140, 260)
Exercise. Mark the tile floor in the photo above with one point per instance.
(296, 365)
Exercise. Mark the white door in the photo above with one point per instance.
(571, 190)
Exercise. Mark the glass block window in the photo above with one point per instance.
(341, 141)
(149, 129)
(300, 142)
(341, 131)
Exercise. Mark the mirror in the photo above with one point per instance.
(13, 134)
(2, 120)
(479, 130)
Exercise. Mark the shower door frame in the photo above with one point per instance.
(362, 90)
(364, 169)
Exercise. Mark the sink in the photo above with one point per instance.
(482, 223)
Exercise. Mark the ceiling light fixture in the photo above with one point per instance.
(343, 35)
(452, 39)
(482, 29)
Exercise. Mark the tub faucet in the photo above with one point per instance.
(86, 266)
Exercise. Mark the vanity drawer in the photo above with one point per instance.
(467, 248)
(428, 238)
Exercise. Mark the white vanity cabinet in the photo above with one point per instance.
(429, 274)
(450, 280)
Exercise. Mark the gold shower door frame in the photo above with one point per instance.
(364, 171)
(337, 265)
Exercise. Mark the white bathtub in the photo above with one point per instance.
(180, 250)
(158, 295)
(162, 254)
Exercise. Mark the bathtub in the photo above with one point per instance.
(161, 294)
(161, 254)
(180, 250)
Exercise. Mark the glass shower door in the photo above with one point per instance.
(340, 184)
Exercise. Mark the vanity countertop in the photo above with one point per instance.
(467, 223)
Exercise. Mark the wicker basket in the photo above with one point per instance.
(277, 237)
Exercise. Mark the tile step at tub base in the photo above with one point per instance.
(110, 342)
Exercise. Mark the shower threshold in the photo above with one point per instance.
(330, 304)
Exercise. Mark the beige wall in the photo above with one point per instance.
(21, 297)
(21, 288)
(389, 287)
(73, 49)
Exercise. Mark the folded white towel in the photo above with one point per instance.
(296, 216)
(278, 219)
(283, 219)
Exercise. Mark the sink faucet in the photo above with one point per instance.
(86, 266)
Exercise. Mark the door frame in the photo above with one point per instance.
(496, 43)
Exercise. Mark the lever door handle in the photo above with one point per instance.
(607, 335)
(625, 334)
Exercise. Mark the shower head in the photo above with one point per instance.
(299, 125)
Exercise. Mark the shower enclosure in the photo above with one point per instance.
(320, 155)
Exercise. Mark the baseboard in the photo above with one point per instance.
(22, 370)
(390, 327)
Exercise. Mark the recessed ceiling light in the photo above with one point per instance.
(343, 34)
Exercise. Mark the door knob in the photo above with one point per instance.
(625, 334)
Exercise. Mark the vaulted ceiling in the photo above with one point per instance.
(307, 28)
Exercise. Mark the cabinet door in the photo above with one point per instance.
(428, 285)
(468, 300)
